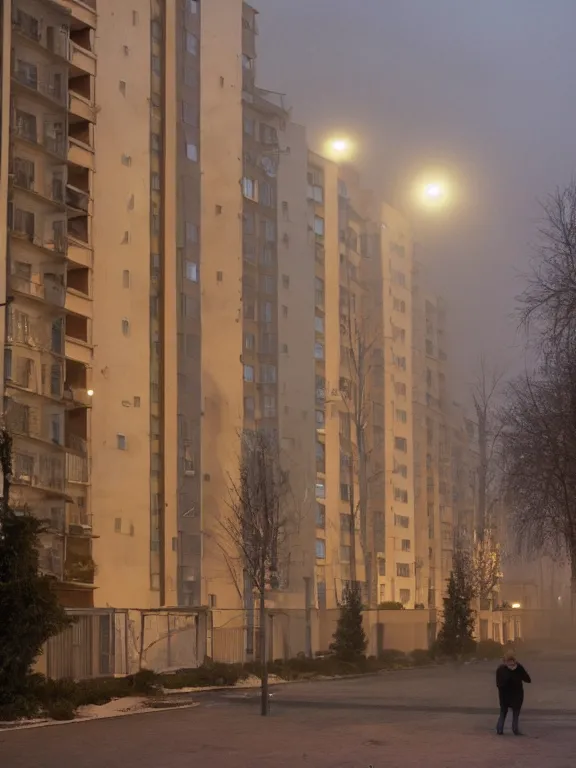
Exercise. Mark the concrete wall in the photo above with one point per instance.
(221, 233)
(121, 364)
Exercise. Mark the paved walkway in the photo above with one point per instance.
(440, 718)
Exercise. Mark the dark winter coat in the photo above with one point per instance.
(510, 685)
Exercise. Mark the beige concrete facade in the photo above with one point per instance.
(432, 443)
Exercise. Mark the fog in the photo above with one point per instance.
(485, 90)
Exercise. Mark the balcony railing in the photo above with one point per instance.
(50, 290)
(77, 444)
(56, 40)
(76, 468)
(55, 92)
(41, 470)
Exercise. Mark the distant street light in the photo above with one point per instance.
(339, 148)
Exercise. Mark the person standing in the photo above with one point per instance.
(510, 679)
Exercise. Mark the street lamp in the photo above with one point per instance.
(339, 148)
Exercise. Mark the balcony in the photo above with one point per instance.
(83, 61)
(77, 469)
(83, 12)
(79, 568)
(51, 559)
(55, 40)
(54, 92)
(50, 290)
(26, 225)
(42, 470)
(80, 154)
(78, 199)
(81, 107)
(78, 304)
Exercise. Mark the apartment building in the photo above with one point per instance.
(432, 446)
(124, 390)
(389, 271)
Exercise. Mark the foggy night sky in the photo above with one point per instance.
(487, 89)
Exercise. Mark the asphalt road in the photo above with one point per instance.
(440, 717)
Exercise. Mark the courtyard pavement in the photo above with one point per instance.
(441, 717)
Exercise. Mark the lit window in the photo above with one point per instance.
(121, 442)
(319, 324)
(320, 549)
(319, 226)
(248, 373)
(192, 271)
(192, 152)
(247, 62)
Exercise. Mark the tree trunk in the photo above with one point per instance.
(263, 654)
(352, 499)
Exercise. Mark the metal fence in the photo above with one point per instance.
(119, 642)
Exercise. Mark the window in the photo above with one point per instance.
(319, 288)
(189, 113)
(398, 278)
(319, 324)
(404, 596)
(316, 193)
(399, 362)
(249, 407)
(121, 442)
(285, 349)
(398, 334)
(56, 380)
(191, 43)
(400, 389)
(249, 341)
(249, 310)
(321, 587)
(266, 312)
(192, 6)
(344, 492)
(285, 281)
(319, 226)
(381, 567)
(268, 134)
(399, 306)
(248, 373)
(320, 491)
(401, 444)
(191, 232)
(189, 306)
(401, 495)
(126, 327)
(401, 415)
(250, 188)
(268, 374)
(266, 196)
(320, 419)
(126, 278)
(342, 189)
(320, 549)
(191, 269)
(319, 351)
(269, 408)
(268, 343)
(267, 283)
(270, 231)
(249, 126)
(401, 469)
(247, 62)
(406, 545)
(320, 516)
(345, 552)
(402, 521)
(403, 570)
(156, 64)
(192, 152)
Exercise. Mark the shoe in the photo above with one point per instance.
(500, 733)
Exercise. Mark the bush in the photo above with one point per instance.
(390, 605)
(20, 708)
(392, 658)
(61, 709)
(489, 649)
(145, 681)
(420, 657)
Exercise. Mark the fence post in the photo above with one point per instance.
(141, 652)
(169, 643)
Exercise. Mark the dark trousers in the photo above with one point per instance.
(502, 718)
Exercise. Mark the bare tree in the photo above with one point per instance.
(540, 458)
(257, 525)
(361, 343)
(549, 299)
